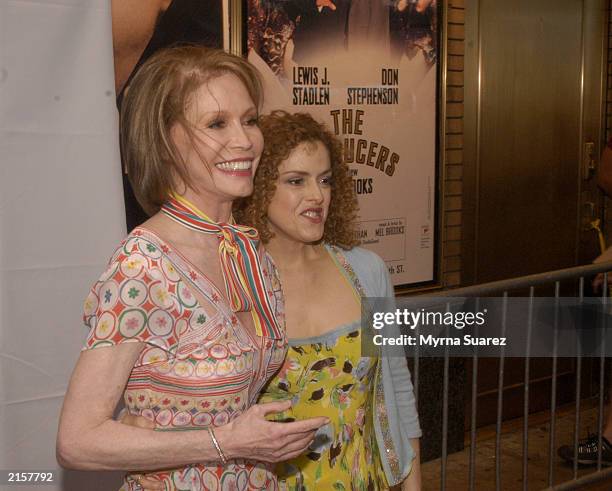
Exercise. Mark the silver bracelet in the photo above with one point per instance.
(216, 444)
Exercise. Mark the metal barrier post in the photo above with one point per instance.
(526, 393)
(505, 286)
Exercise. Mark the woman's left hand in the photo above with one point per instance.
(146, 483)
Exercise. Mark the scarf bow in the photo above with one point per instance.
(240, 263)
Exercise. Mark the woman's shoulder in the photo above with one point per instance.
(139, 242)
(360, 258)
(368, 267)
(138, 298)
(139, 256)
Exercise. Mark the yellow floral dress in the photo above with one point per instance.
(326, 376)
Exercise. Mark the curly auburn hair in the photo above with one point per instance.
(284, 132)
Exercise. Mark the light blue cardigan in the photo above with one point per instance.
(395, 416)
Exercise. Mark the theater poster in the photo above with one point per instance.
(367, 68)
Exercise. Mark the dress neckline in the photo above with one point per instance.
(343, 266)
(334, 333)
(169, 250)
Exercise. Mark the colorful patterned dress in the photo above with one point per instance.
(327, 376)
(199, 367)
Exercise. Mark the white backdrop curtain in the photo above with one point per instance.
(61, 213)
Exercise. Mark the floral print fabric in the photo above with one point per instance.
(326, 376)
(199, 367)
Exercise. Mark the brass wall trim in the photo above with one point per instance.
(235, 26)
(443, 60)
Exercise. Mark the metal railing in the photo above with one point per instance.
(503, 288)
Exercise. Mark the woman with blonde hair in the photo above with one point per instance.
(186, 323)
(304, 207)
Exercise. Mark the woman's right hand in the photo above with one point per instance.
(251, 436)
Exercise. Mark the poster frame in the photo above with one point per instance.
(238, 29)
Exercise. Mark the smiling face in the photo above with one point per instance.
(300, 205)
(225, 145)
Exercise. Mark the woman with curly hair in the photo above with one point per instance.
(304, 208)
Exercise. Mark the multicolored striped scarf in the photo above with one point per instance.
(240, 263)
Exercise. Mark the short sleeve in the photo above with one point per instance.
(135, 300)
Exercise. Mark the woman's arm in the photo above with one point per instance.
(413, 481)
(398, 368)
(404, 397)
(133, 25)
(89, 439)
(421, 5)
